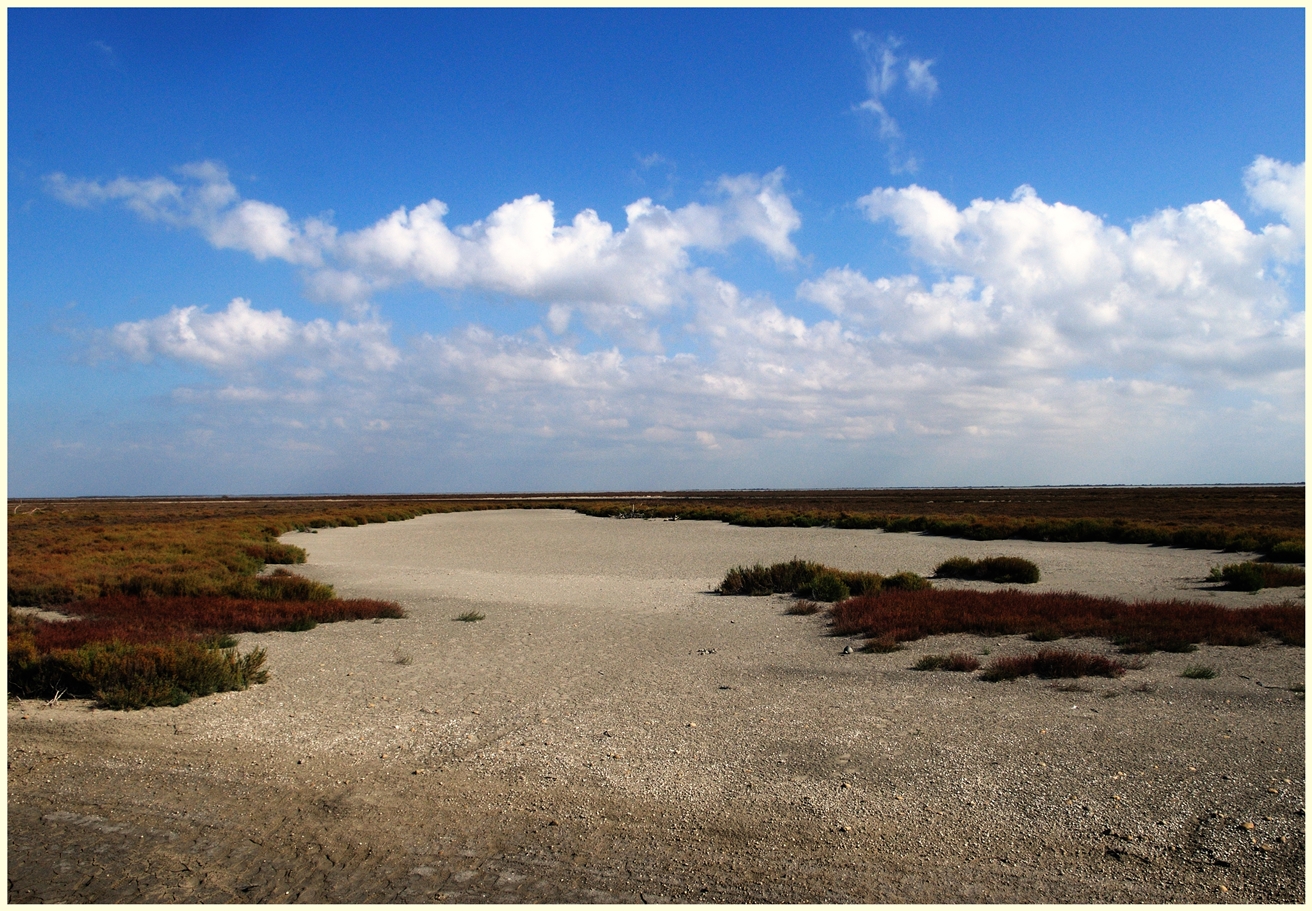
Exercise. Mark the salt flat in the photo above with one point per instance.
(613, 732)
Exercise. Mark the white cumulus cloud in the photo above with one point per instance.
(241, 336)
(1050, 284)
(519, 249)
(1026, 336)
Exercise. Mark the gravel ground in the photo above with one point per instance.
(613, 732)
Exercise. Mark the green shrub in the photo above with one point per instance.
(123, 675)
(801, 578)
(780, 578)
(471, 616)
(1287, 552)
(905, 582)
(1251, 576)
(828, 587)
(989, 569)
(1198, 672)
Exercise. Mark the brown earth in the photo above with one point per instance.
(612, 732)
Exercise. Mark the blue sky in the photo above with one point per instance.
(300, 251)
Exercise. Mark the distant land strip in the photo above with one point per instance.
(62, 550)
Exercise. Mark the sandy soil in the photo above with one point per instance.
(612, 732)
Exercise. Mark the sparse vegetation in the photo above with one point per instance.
(814, 581)
(803, 608)
(471, 616)
(1135, 626)
(1251, 576)
(989, 569)
(1050, 664)
(883, 645)
(1198, 672)
(957, 661)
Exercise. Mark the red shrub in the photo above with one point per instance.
(142, 620)
(1051, 663)
(1134, 625)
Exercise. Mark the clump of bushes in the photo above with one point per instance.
(128, 675)
(813, 581)
(989, 569)
(132, 652)
(1251, 576)
(1134, 626)
(1286, 551)
(957, 661)
(1050, 664)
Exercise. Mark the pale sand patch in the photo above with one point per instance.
(556, 557)
(612, 731)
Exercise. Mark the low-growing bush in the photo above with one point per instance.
(1052, 663)
(779, 578)
(471, 616)
(1134, 626)
(1251, 576)
(957, 661)
(129, 675)
(815, 581)
(1046, 633)
(989, 569)
(902, 582)
(1198, 672)
(1286, 552)
(829, 588)
(803, 608)
(130, 652)
(889, 642)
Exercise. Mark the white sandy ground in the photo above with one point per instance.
(612, 731)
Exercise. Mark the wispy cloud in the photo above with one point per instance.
(884, 69)
(209, 202)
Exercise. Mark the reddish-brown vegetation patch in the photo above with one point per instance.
(1051, 664)
(957, 661)
(1136, 626)
(129, 652)
(141, 620)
